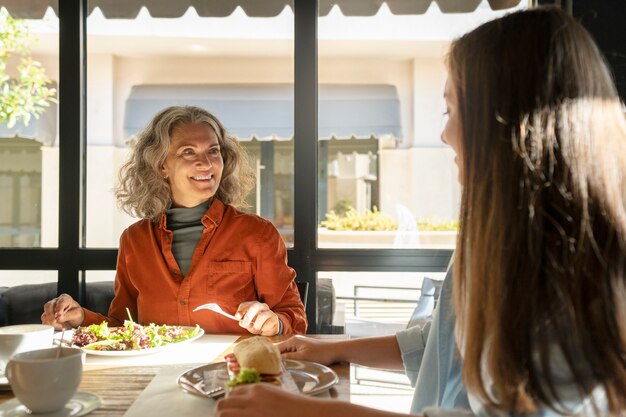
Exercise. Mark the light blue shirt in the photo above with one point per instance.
(433, 365)
(431, 361)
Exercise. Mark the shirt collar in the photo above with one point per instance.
(214, 215)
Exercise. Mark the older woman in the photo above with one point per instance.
(193, 246)
(540, 267)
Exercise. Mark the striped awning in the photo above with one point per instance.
(129, 9)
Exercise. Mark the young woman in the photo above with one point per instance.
(193, 247)
(540, 267)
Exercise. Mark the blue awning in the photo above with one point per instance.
(266, 112)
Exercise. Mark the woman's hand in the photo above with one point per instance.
(257, 318)
(308, 349)
(264, 400)
(62, 312)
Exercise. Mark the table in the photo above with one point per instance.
(120, 382)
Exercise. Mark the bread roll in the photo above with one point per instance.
(258, 353)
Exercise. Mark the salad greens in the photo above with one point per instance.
(246, 376)
(131, 336)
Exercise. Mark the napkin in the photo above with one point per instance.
(163, 397)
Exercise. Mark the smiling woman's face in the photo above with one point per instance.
(452, 132)
(194, 164)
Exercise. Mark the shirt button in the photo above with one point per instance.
(182, 302)
(175, 271)
(167, 237)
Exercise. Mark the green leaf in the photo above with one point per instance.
(28, 94)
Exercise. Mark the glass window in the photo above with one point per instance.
(99, 276)
(10, 278)
(272, 196)
(239, 68)
(374, 303)
(29, 145)
(385, 178)
(377, 388)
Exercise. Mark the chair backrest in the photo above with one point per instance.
(426, 303)
(303, 289)
(23, 304)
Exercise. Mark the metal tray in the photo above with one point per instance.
(209, 380)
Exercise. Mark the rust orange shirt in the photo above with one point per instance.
(240, 257)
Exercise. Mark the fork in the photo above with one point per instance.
(216, 392)
(216, 308)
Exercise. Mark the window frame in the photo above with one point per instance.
(71, 258)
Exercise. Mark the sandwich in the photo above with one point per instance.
(255, 359)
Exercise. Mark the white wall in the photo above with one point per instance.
(100, 85)
(421, 179)
(429, 76)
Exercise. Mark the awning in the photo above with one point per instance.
(128, 9)
(43, 129)
(266, 112)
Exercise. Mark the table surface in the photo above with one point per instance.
(119, 385)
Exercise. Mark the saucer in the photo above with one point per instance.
(79, 405)
(4, 383)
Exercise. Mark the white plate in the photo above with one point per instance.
(79, 405)
(148, 351)
(310, 377)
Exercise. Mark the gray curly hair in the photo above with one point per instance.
(143, 193)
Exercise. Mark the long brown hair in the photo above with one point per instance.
(143, 192)
(540, 271)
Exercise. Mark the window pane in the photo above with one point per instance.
(272, 196)
(15, 278)
(29, 143)
(239, 68)
(99, 276)
(374, 303)
(377, 388)
(385, 178)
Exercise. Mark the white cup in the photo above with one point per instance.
(22, 338)
(43, 382)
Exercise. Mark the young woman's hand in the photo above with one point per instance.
(63, 312)
(257, 318)
(262, 400)
(308, 349)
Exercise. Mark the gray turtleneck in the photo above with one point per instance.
(186, 226)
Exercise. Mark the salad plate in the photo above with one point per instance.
(196, 331)
(208, 381)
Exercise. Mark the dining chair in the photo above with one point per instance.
(426, 303)
(303, 289)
